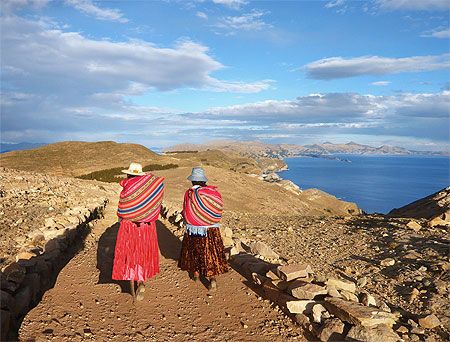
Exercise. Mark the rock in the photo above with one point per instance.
(341, 284)
(5, 317)
(414, 225)
(429, 322)
(49, 222)
(356, 313)
(25, 256)
(303, 290)
(14, 272)
(294, 271)
(227, 232)
(437, 221)
(402, 329)
(260, 248)
(387, 262)
(333, 292)
(383, 306)
(349, 296)
(271, 274)
(317, 312)
(300, 306)
(228, 242)
(372, 334)
(302, 319)
(367, 299)
(362, 282)
(259, 279)
(413, 295)
(332, 330)
(52, 245)
(418, 331)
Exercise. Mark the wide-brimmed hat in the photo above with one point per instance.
(197, 175)
(135, 169)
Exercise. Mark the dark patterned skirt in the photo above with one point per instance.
(202, 254)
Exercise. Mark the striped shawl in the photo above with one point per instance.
(140, 199)
(202, 206)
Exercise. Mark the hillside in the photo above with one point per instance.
(435, 208)
(75, 158)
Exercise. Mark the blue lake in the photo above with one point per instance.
(374, 183)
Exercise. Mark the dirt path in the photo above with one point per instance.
(86, 304)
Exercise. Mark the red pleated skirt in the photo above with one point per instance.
(136, 256)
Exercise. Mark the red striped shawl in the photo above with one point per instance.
(202, 206)
(141, 197)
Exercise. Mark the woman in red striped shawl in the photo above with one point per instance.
(202, 250)
(136, 256)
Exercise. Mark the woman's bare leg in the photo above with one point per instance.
(133, 293)
(212, 284)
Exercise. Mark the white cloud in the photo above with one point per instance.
(91, 66)
(335, 3)
(202, 15)
(340, 107)
(339, 67)
(438, 33)
(252, 21)
(381, 83)
(425, 5)
(233, 4)
(89, 8)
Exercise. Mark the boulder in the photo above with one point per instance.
(301, 306)
(340, 284)
(260, 248)
(349, 296)
(294, 271)
(372, 334)
(358, 314)
(303, 290)
(331, 330)
(429, 322)
(367, 299)
(414, 225)
(317, 312)
(14, 273)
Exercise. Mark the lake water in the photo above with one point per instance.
(374, 183)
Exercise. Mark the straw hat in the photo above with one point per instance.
(197, 175)
(135, 169)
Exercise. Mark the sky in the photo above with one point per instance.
(160, 73)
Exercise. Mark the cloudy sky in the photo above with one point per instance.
(166, 72)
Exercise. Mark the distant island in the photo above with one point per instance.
(260, 149)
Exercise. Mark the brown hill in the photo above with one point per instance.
(428, 207)
(75, 158)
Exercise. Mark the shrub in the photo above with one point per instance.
(112, 175)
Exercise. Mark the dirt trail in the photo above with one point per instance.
(85, 304)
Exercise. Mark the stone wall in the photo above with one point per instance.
(43, 223)
(24, 281)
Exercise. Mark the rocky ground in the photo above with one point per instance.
(35, 207)
(401, 262)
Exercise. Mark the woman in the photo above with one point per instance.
(136, 256)
(202, 250)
